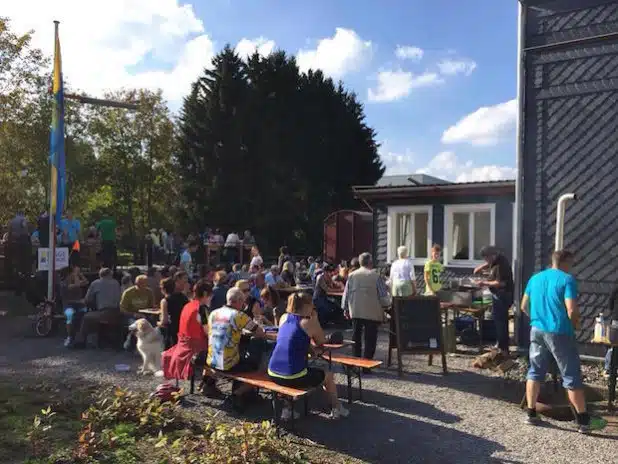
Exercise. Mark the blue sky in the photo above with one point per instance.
(442, 104)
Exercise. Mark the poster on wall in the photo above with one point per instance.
(62, 259)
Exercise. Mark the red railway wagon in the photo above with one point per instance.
(347, 234)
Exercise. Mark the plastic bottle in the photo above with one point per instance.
(598, 327)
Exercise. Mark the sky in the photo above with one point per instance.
(437, 77)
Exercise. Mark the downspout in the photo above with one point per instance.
(560, 219)
(519, 180)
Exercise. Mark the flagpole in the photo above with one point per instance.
(51, 255)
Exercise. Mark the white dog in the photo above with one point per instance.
(150, 346)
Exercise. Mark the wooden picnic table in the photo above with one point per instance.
(613, 370)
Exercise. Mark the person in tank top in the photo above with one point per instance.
(288, 364)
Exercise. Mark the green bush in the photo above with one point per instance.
(123, 427)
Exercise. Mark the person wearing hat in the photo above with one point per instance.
(501, 285)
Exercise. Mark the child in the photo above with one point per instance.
(433, 271)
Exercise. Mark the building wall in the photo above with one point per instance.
(570, 135)
(503, 225)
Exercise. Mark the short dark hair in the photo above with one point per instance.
(202, 288)
(560, 257)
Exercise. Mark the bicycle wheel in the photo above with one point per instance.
(43, 325)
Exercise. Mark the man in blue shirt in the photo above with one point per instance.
(69, 229)
(550, 300)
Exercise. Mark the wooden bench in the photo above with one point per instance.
(353, 366)
(261, 381)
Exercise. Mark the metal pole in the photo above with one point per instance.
(51, 249)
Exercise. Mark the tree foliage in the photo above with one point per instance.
(265, 147)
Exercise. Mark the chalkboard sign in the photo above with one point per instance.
(416, 327)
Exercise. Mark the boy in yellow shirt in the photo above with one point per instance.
(433, 271)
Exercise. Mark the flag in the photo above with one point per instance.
(56, 143)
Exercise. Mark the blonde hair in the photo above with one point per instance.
(297, 301)
(402, 252)
(242, 283)
(141, 278)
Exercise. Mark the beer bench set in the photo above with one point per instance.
(353, 367)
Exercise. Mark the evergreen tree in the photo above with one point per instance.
(265, 147)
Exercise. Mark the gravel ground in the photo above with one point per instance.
(468, 416)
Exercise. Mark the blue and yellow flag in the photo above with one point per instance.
(56, 143)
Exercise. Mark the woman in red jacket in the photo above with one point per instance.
(192, 334)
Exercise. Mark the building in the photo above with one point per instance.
(462, 217)
(568, 134)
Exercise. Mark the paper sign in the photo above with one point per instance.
(62, 259)
(433, 343)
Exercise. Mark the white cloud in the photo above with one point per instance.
(393, 85)
(450, 67)
(395, 162)
(247, 47)
(446, 165)
(106, 45)
(338, 55)
(488, 125)
(407, 52)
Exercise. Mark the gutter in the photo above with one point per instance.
(362, 190)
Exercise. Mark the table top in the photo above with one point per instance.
(294, 289)
(605, 342)
(152, 311)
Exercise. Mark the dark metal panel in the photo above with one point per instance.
(380, 227)
(570, 145)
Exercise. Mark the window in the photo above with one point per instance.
(468, 229)
(409, 226)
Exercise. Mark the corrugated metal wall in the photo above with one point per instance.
(570, 142)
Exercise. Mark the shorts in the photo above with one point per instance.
(244, 365)
(563, 348)
(70, 313)
(313, 378)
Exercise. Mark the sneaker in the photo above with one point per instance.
(286, 414)
(339, 412)
(596, 423)
(533, 420)
(68, 341)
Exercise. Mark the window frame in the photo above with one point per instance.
(391, 225)
(471, 208)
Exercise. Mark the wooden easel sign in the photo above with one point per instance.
(416, 328)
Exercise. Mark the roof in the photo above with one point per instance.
(409, 179)
(496, 187)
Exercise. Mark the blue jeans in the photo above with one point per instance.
(500, 313)
(563, 348)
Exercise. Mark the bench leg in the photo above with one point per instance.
(360, 384)
(348, 372)
(275, 405)
(444, 368)
(430, 363)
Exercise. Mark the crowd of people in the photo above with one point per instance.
(222, 313)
